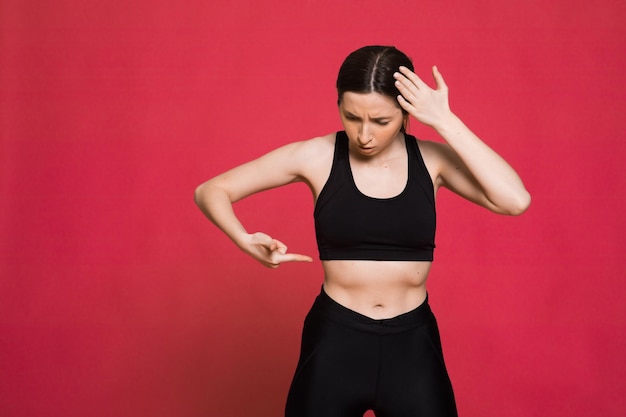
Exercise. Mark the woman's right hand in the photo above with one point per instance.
(270, 252)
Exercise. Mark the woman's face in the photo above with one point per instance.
(372, 121)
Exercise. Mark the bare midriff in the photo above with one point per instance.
(377, 289)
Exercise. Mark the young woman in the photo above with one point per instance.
(370, 341)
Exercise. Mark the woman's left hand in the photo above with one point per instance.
(428, 106)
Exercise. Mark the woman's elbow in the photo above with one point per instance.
(199, 194)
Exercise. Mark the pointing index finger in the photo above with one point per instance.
(295, 257)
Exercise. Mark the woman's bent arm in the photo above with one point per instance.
(216, 196)
(469, 160)
(466, 165)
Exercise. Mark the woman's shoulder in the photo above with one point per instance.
(314, 158)
(320, 143)
(435, 155)
(431, 151)
(313, 149)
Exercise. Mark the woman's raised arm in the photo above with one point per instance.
(466, 165)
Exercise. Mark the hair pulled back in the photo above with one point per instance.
(370, 70)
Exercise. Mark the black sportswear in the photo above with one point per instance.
(352, 226)
(350, 363)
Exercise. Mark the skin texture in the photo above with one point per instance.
(464, 164)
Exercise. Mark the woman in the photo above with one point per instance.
(370, 341)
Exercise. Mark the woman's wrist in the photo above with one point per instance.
(449, 123)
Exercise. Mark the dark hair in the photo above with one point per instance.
(370, 70)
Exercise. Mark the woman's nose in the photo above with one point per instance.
(364, 135)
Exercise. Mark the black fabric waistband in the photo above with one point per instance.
(332, 310)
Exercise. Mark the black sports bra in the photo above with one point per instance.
(352, 226)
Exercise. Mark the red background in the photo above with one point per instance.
(117, 298)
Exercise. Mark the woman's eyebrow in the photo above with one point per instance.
(350, 114)
(378, 118)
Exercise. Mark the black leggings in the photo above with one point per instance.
(350, 363)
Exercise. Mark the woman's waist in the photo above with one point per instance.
(327, 308)
(377, 289)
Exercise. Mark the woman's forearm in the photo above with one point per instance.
(500, 183)
(217, 206)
